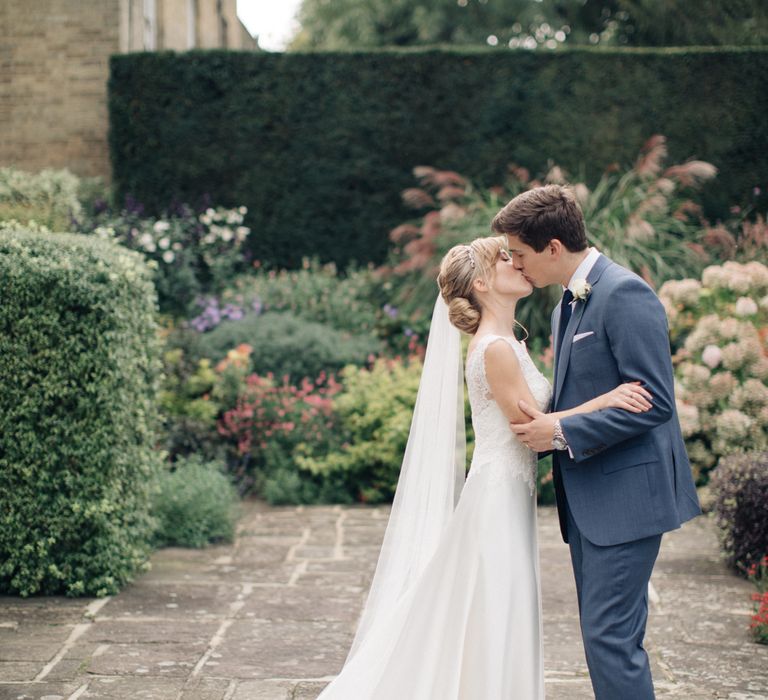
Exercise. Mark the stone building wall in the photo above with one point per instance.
(54, 66)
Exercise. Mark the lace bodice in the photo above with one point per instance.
(497, 449)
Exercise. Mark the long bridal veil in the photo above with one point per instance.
(431, 476)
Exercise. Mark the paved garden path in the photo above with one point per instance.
(271, 617)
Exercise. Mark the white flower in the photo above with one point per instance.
(721, 385)
(745, 307)
(732, 425)
(226, 234)
(168, 256)
(243, 210)
(241, 232)
(685, 291)
(146, 241)
(581, 289)
(712, 356)
(161, 226)
(164, 243)
(177, 246)
(689, 418)
(741, 354)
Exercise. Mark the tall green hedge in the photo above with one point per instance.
(79, 368)
(319, 145)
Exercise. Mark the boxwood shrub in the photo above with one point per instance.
(286, 345)
(79, 369)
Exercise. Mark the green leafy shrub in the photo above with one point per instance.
(286, 345)
(719, 332)
(348, 301)
(188, 406)
(195, 504)
(740, 485)
(79, 367)
(48, 198)
(270, 424)
(374, 413)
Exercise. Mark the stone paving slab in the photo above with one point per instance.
(271, 618)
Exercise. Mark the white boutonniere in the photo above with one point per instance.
(581, 290)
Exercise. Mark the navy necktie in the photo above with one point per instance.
(565, 316)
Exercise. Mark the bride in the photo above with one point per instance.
(454, 609)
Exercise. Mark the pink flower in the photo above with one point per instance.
(711, 356)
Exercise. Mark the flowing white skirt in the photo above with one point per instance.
(470, 627)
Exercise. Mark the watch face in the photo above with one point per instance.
(559, 444)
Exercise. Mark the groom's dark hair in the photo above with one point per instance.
(541, 214)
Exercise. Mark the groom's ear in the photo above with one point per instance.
(556, 247)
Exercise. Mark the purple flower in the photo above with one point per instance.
(390, 310)
(210, 317)
(408, 332)
(133, 206)
(233, 312)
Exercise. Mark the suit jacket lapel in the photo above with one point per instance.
(573, 325)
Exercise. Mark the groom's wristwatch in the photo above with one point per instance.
(558, 439)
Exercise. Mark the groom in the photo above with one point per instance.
(621, 478)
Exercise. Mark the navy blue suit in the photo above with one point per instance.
(627, 479)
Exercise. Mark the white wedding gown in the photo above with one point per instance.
(469, 628)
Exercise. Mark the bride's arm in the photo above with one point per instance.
(630, 396)
(506, 381)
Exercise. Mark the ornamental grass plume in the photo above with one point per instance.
(692, 173)
(652, 155)
(720, 239)
(638, 218)
(416, 198)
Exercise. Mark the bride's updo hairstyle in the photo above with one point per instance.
(460, 267)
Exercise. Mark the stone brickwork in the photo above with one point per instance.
(53, 96)
(271, 617)
(54, 67)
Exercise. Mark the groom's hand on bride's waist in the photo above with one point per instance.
(538, 433)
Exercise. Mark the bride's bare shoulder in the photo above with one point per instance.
(492, 349)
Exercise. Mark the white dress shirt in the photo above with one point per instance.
(584, 268)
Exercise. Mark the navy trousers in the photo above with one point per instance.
(612, 588)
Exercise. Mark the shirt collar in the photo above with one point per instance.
(585, 267)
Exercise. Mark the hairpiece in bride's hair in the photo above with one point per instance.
(525, 330)
(471, 255)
